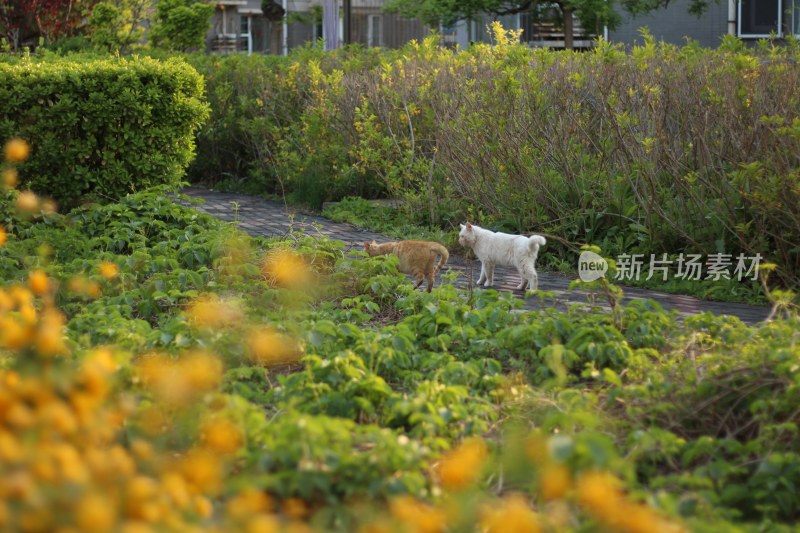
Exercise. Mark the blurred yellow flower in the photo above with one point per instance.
(17, 150)
(202, 471)
(95, 513)
(108, 270)
(263, 524)
(10, 178)
(38, 282)
(269, 347)
(554, 481)
(513, 514)
(294, 508)
(27, 201)
(249, 502)
(598, 491)
(461, 467)
(222, 436)
(418, 516)
(210, 311)
(286, 268)
(3, 236)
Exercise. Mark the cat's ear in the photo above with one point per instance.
(462, 226)
(366, 245)
(469, 226)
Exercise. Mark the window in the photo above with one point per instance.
(758, 18)
(245, 39)
(374, 30)
(796, 18)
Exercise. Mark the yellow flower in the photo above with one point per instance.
(263, 524)
(203, 507)
(420, 517)
(95, 513)
(50, 337)
(108, 270)
(211, 312)
(38, 282)
(513, 514)
(598, 491)
(286, 268)
(10, 178)
(175, 486)
(221, 436)
(17, 150)
(202, 471)
(3, 236)
(269, 347)
(249, 502)
(294, 508)
(27, 201)
(461, 467)
(554, 481)
(93, 290)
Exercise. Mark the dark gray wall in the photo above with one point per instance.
(674, 24)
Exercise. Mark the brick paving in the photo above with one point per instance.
(260, 217)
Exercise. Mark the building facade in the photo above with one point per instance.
(747, 19)
(240, 26)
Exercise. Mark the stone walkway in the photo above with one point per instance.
(260, 217)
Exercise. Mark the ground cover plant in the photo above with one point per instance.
(163, 371)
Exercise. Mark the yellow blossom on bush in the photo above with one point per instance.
(269, 347)
(27, 201)
(96, 513)
(418, 516)
(554, 481)
(3, 236)
(38, 282)
(461, 467)
(513, 514)
(202, 471)
(210, 311)
(180, 381)
(286, 268)
(108, 270)
(263, 524)
(220, 435)
(10, 178)
(249, 502)
(16, 150)
(50, 333)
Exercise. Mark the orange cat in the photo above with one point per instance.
(417, 258)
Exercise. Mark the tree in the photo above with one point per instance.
(50, 19)
(115, 25)
(180, 24)
(591, 13)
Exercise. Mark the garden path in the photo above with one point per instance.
(260, 217)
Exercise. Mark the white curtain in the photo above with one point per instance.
(330, 23)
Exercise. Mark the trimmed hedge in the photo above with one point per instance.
(100, 129)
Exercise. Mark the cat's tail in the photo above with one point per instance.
(535, 241)
(445, 255)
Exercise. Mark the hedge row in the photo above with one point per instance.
(101, 128)
(660, 149)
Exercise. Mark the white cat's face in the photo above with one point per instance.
(466, 236)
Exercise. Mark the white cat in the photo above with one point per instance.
(493, 248)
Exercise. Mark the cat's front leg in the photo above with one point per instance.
(482, 278)
(489, 274)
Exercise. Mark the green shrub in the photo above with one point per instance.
(100, 129)
(658, 150)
